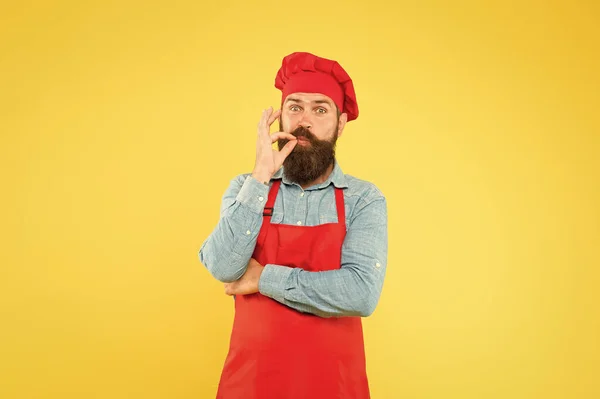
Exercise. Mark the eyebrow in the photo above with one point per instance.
(315, 101)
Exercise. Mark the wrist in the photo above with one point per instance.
(262, 176)
(258, 275)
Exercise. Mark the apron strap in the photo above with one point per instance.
(339, 203)
(268, 211)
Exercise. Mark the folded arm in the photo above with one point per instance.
(352, 290)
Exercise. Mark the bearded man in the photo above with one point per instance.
(301, 247)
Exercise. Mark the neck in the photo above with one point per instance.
(319, 179)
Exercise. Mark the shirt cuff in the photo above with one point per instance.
(253, 194)
(273, 281)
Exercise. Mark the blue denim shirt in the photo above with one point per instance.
(352, 290)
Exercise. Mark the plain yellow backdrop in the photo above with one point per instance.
(122, 123)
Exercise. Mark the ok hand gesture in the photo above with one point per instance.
(269, 160)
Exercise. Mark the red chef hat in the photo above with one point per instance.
(307, 73)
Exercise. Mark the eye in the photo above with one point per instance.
(294, 108)
(321, 110)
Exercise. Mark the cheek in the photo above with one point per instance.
(289, 122)
(327, 128)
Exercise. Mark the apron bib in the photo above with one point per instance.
(276, 352)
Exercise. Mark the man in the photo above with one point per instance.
(301, 247)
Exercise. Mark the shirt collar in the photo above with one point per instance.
(337, 177)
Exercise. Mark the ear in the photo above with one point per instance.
(342, 123)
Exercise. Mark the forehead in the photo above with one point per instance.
(309, 98)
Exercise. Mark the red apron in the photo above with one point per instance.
(276, 352)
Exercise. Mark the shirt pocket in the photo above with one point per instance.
(277, 217)
(328, 214)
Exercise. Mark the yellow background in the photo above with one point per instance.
(122, 123)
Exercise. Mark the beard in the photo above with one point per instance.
(307, 163)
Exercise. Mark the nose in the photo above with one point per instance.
(305, 121)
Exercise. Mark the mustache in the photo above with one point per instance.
(301, 131)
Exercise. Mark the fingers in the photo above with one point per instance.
(266, 120)
(282, 135)
(287, 149)
(273, 116)
(262, 128)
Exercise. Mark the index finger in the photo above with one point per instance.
(273, 117)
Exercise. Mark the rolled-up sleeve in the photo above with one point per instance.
(227, 250)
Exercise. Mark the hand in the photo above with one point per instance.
(248, 283)
(268, 159)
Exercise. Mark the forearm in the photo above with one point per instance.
(348, 291)
(227, 250)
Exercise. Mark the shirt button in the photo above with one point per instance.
(260, 199)
(378, 265)
(299, 223)
(302, 194)
(248, 233)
